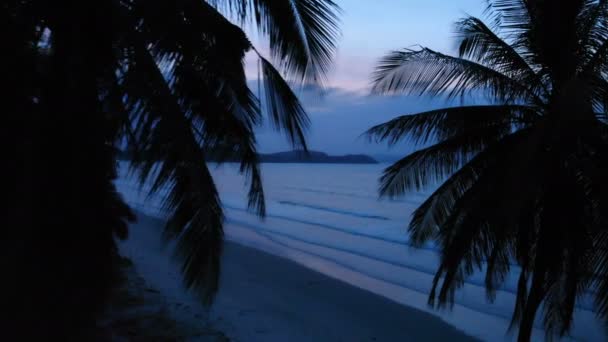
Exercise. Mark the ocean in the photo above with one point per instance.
(329, 217)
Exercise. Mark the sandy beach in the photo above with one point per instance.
(267, 298)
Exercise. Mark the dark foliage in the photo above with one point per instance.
(523, 177)
(163, 79)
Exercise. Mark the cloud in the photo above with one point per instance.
(340, 116)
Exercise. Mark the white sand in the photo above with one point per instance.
(267, 298)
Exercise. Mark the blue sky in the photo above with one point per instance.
(370, 29)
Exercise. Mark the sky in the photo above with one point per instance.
(370, 29)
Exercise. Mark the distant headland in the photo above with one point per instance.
(295, 156)
(299, 156)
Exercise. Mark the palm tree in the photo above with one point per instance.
(164, 78)
(522, 175)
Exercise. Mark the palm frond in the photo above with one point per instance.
(474, 218)
(286, 112)
(592, 28)
(189, 27)
(600, 261)
(250, 166)
(434, 212)
(583, 187)
(563, 257)
(599, 93)
(559, 259)
(435, 163)
(206, 74)
(436, 209)
(597, 61)
(441, 124)
(477, 224)
(196, 216)
(204, 51)
(426, 72)
(209, 105)
(590, 173)
(172, 158)
(224, 112)
(533, 24)
(224, 137)
(511, 14)
(302, 33)
(480, 44)
(593, 33)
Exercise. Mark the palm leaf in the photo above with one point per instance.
(426, 72)
(226, 138)
(189, 27)
(444, 123)
(434, 163)
(480, 44)
(513, 16)
(592, 25)
(286, 112)
(196, 218)
(600, 262)
(302, 33)
(436, 209)
(213, 88)
(174, 160)
(434, 212)
(593, 33)
(473, 224)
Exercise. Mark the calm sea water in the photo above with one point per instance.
(329, 217)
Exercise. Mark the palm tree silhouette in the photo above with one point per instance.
(523, 173)
(164, 78)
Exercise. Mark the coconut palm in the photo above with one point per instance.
(522, 175)
(163, 78)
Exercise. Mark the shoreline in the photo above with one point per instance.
(265, 297)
